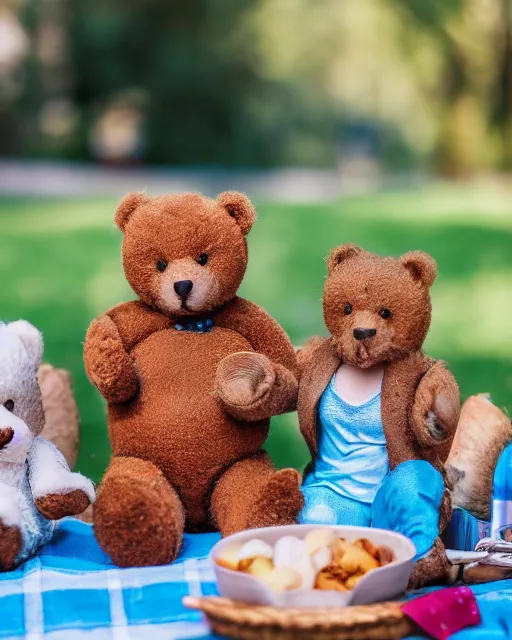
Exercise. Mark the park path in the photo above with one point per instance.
(50, 179)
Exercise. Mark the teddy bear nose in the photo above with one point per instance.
(6, 435)
(364, 334)
(183, 287)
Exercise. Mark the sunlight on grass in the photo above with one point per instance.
(473, 317)
(489, 205)
(106, 286)
(56, 217)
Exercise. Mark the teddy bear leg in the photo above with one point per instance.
(432, 568)
(252, 494)
(11, 538)
(10, 545)
(138, 517)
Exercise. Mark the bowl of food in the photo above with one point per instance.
(308, 566)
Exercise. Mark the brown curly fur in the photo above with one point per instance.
(62, 425)
(55, 506)
(420, 401)
(195, 407)
(10, 546)
(483, 432)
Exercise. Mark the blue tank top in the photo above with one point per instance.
(352, 456)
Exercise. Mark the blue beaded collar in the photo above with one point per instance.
(199, 325)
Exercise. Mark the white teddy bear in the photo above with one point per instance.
(36, 485)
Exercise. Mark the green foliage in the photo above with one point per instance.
(195, 65)
(261, 82)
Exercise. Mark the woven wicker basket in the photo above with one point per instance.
(384, 621)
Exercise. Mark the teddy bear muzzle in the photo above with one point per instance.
(6, 435)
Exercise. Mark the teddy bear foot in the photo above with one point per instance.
(431, 569)
(55, 506)
(10, 546)
(280, 501)
(138, 518)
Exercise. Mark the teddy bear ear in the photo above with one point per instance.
(341, 254)
(240, 208)
(31, 338)
(127, 206)
(421, 266)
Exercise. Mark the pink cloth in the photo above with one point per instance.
(444, 612)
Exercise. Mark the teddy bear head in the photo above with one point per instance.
(377, 309)
(185, 254)
(21, 405)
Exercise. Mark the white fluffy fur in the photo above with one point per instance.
(30, 337)
(30, 467)
(49, 472)
(10, 512)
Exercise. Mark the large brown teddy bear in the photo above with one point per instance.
(378, 313)
(191, 374)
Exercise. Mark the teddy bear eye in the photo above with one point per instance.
(161, 265)
(9, 405)
(348, 309)
(202, 259)
(385, 313)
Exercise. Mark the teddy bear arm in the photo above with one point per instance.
(251, 387)
(263, 333)
(256, 385)
(57, 492)
(107, 363)
(135, 322)
(305, 355)
(436, 408)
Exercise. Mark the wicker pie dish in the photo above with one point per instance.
(382, 621)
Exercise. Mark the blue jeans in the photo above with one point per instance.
(408, 502)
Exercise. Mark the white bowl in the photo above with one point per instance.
(377, 585)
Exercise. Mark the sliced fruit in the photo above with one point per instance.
(283, 579)
(256, 549)
(318, 538)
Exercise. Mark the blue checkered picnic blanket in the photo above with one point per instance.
(72, 591)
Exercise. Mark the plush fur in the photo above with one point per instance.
(420, 401)
(36, 486)
(62, 424)
(188, 412)
(483, 432)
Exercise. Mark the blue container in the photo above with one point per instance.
(502, 498)
(464, 530)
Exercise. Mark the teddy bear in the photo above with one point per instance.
(36, 485)
(378, 415)
(191, 374)
(62, 420)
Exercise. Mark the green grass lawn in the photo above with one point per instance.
(60, 267)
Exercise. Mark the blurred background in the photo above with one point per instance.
(384, 123)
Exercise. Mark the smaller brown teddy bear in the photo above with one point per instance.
(191, 374)
(378, 415)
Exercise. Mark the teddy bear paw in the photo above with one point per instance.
(10, 546)
(436, 408)
(242, 380)
(107, 363)
(280, 501)
(55, 506)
